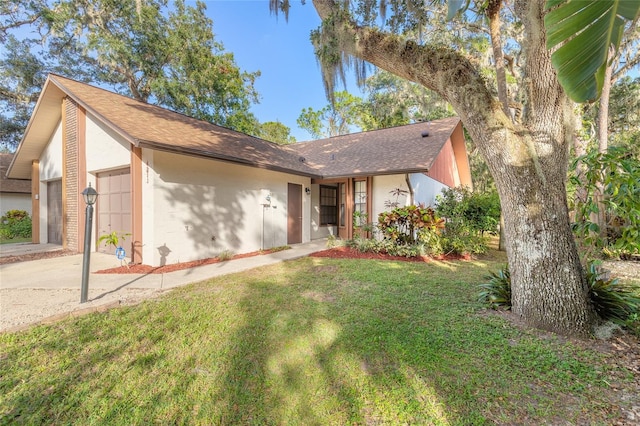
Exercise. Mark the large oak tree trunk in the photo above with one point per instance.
(528, 161)
(548, 289)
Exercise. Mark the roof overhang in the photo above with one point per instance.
(47, 113)
(227, 159)
(372, 173)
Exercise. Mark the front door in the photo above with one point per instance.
(294, 213)
(114, 207)
(54, 212)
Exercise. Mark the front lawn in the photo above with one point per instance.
(15, 240)
(312, 342)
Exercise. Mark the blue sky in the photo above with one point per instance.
(281, 50)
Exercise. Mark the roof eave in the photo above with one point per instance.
(17, 158)
(373, 173)
(228, 159)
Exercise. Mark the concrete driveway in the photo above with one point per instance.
(47, 290)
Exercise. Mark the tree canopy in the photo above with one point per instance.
(154, 51)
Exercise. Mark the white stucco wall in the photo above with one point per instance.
(105, 149)
(204, 207)
(14, 201)
(50, 169)
(425, 189)
(51, 157)
(382, 187)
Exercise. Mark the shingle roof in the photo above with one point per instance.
(22, 186)
(401, 149)
(396, 150)
(157, 128)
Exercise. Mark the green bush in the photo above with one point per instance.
(402, 225)
(469, 216)
(619, 175)
(475, 212)
(15, 224)
(496, 292)
(612, 299)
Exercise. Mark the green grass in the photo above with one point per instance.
(14, 240)
(307, 342)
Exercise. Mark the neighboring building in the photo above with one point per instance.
(15, 194)
(187, 189)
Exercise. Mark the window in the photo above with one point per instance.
(360, 201)
(343, 201)
(328, 205)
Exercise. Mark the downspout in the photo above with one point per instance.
(406, 177)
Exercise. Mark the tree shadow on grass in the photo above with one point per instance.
(312, 341)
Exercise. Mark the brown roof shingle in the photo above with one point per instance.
(401, 149)
(21, 186)
(158, 128)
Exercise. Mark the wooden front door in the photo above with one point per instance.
(294, 213)
(114, 207)
(54, 212)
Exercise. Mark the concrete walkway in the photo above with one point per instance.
(49, 289)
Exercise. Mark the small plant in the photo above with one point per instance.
(279, 248)
(612, 299)
(361, 228)
(396, 193)
(113, 239)
(365, 245)
(497, 290)
(225, 255)
(332, 241)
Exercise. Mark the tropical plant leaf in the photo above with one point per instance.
(583, 32)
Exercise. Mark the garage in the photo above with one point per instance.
(114, 206)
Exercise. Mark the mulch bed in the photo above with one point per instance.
(146, 269)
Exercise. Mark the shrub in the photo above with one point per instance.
(366, 245)
(14, 224)
(403, 225)
(497, 290)
(612, 299)
(476, 212)
(468, 217)
(619, 175)
(225, 255)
